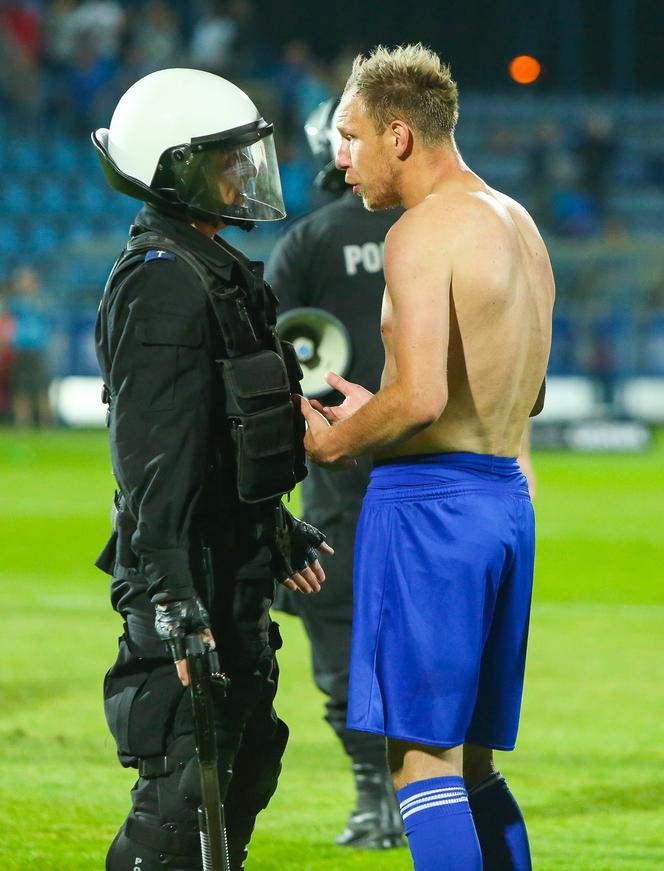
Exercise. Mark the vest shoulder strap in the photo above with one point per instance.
(148, 242)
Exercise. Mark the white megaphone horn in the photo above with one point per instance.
(321, 342)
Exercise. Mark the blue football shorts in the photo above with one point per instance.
(444, 558)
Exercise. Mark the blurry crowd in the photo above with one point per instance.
(76, 56)
(64, 64)
(570, 177)
(69, 61)
(72, 59)
(25, 330)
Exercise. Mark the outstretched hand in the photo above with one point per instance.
(317, 439)
(355, 397)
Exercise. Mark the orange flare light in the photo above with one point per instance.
(525, 69)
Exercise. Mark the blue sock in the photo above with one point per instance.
(500, 826)
(439, 825)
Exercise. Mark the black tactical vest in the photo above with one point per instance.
(259, 372)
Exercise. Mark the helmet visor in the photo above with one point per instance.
(239, 182)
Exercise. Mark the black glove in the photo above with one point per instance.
(294, 545)
(174, 620)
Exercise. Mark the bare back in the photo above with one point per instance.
(498, 284)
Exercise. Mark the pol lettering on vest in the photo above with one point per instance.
(370, 255)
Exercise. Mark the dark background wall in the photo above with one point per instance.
(594, 45)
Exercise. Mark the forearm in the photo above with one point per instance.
(162, 504)
(391, 416)
(159, 459)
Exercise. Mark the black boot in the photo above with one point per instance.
(375, 824)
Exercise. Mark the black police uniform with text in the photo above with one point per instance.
(204, 441)
(332, 259)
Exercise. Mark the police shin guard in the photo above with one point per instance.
(375, 824)
(255, 775)
(125, 854)
(161, 830)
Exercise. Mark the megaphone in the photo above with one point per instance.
(321, 342)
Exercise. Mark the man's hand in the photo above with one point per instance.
(319, 438)
(355, 397)
(174, 620)
(309, 579)
(295, 557)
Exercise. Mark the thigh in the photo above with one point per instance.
(496, 716)
(426, 576)
(240, 612)
(142, 694)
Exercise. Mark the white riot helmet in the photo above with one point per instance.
(324, 140)
(190, 140)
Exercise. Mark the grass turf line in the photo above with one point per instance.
(587, 766)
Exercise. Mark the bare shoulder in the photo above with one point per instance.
(517, 212)
(422, 228)
(418, 257)
(490, 222)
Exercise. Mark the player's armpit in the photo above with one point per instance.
(418, 274)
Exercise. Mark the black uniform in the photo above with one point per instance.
(181, 527)
(333, 259)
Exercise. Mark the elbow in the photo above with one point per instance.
(424, 410)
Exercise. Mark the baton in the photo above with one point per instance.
(204, 670)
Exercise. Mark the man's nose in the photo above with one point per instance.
(342, 160)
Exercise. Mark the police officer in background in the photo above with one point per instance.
(332, 260)
(204, 441)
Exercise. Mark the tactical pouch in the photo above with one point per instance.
(261, 416)
(237, 329)
(140, 709)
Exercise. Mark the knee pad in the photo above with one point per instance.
(166, 797)
(163, 819)
(256, 770)
(169, 788)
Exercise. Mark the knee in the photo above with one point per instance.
(396, 752)
(478, 764)
(256, 770)
(409, 762)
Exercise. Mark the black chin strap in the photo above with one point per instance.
(247, 226)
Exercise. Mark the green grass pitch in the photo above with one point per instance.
(589, 765)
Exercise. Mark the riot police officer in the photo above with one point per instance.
(204, 441)
(331, 260)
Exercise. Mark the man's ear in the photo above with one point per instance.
(402, 139)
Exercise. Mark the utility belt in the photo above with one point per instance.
(258, 371)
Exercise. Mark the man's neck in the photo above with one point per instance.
(430, 168)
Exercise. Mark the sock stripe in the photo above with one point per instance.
(494, 777)
(439, 803)
(430, 794)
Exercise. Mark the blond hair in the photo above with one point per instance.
(409, 83)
